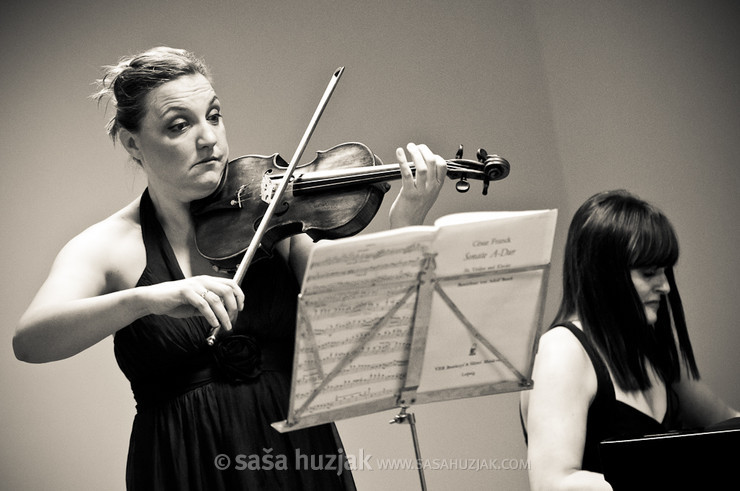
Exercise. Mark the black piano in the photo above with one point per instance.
(704, 459)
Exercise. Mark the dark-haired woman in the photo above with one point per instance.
(203, 415)
(617, 362)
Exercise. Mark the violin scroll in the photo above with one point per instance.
(488, 168)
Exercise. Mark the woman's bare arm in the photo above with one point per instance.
(89, 294)
(556, 414)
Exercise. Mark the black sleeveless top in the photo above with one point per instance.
(609, 418)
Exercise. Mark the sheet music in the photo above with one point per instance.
(340, 324)
(496, 297)
(501, 308)
(493, 241)
(365, 261)
(446, 307)
(342, 310)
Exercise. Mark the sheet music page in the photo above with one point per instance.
(490, 241)
(350, 287)
(502, 306)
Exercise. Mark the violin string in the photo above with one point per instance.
(309, 182)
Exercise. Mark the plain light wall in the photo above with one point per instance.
(646, 96)
(580, 96)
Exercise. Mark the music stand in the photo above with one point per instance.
(403, 317)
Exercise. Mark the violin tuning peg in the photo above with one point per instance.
(459, 153)
(462, 185)
(486, 182)
(482, 155)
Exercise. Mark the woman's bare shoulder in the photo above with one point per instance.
(561, 340)
(561, 355)
(111, 248)
(111, 231)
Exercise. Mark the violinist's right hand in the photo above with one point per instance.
(219, 300)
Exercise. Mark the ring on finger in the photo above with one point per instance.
(204, 293)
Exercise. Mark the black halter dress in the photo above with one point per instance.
(204, 414)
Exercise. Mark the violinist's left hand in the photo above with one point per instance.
(418, 193)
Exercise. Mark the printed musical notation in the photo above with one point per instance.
(349, 399)
(380, 356)
(338, 391)
(364, 265)
(370, 325)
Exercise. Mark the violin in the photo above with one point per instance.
(335, 195)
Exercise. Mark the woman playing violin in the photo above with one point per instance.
(137, 275)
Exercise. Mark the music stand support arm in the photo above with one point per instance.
(410, 419)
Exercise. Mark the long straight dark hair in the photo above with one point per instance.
(610, 234)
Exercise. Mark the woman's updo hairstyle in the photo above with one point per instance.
(126, 84)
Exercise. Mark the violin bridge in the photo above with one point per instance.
(268, 188)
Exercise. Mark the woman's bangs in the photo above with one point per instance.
(654, 244)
